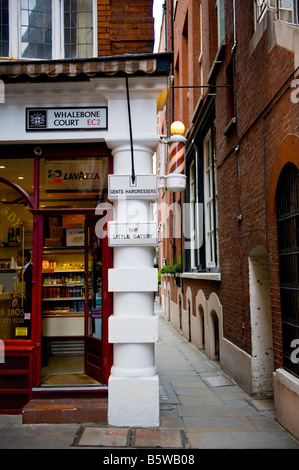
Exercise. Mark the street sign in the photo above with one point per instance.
(121, 186)
(66, 119)
(132, 234)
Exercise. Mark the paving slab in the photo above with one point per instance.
(217, 381)
(162, 438)
(240, 440)
(219, 423)
(105, 436)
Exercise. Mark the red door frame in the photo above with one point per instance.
(107, 301)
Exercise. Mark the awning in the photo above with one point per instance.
(149, 64)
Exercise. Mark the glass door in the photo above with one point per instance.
(93, 363)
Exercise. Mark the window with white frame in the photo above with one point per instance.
(201, 219)
(48, 29)
(210, 202)
(286, 10)
(220, 21)
(193, 217)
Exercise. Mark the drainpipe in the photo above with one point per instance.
(235, 33)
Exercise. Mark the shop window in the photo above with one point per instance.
(76, 183)
(20, 172)
(48, 29)
(16, 231)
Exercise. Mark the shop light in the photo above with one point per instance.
(175, 145)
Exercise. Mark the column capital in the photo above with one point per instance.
(147, 143)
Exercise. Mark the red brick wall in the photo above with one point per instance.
(265, 118)
(125, 27)
(249, 159)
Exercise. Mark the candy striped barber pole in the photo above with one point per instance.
(176, 157)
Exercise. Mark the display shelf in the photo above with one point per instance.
(60, 249)
(66, 284)
(57, 270)
(61, 315)
(55, 299)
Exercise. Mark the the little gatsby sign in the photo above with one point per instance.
(138, 233)
(66, 119)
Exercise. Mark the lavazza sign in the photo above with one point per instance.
(66, 119)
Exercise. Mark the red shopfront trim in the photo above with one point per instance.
(21, 370)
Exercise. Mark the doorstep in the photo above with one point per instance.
(65, 410)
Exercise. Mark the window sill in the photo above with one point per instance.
(230, 126)
(202, 276)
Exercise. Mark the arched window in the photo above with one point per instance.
(287, 198)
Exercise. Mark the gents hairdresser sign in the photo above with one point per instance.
(66, 119)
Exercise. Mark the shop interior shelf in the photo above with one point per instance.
(61, 249)
(62, 314)
(53, 271)
(54, 299)
(65, 284)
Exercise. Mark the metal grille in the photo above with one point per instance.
(288, 248)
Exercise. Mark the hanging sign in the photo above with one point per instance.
(139, 233)
(121, 186)
(66, 119)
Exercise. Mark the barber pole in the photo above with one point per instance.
(176, 157)
(176, 179)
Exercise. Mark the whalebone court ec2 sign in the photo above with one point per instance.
(66, 119)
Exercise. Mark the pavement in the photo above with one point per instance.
(200, 408)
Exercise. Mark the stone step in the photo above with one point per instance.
(65, 410)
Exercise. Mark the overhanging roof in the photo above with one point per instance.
(12, 71)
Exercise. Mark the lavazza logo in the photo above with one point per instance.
(57, 176)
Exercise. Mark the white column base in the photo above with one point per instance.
(134, 401)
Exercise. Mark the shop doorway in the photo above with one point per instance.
(75, 303)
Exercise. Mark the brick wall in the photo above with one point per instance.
(265, 118)
(125, 27)
(249, 158)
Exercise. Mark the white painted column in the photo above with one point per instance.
(133, 329)
(133, 389)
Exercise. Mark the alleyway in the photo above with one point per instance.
(198, 397)
(201, 408)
